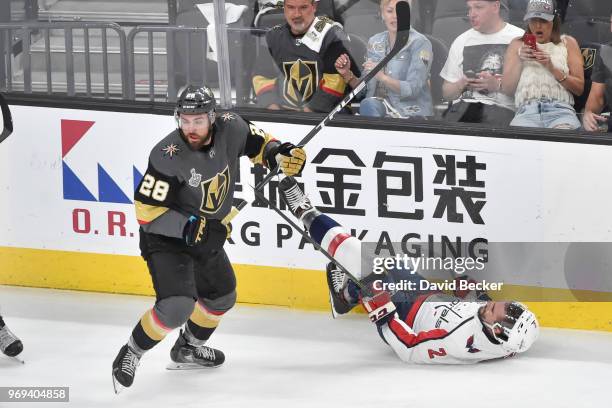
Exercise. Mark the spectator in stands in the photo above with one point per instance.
(401, 89)
(543, 79)
(472, 72)
(304, 51)
(601, 90)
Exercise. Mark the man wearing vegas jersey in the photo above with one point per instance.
(183, 204)
(421, 327)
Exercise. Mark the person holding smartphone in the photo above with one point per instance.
(545, 74)
(601, 91)
(472, 72)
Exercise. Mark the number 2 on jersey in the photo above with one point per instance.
(156, 189)
(433, 353)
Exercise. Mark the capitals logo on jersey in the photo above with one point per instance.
(301, 78)
(470, 345)
(214, 191)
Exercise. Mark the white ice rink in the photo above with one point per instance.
(282, 358)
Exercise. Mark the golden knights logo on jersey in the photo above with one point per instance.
(214, 191)
(588, 55)
(301, 78)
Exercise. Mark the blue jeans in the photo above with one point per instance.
(372, 107)
(545, 113)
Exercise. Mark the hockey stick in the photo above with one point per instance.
(402, 9)
(307, 237)
(7, 120)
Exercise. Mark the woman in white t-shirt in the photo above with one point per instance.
(544, 79)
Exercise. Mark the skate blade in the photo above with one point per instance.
(16, 359)
(117, 386)
(331, 306)
(188, 366)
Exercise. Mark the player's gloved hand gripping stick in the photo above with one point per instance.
(402, 10)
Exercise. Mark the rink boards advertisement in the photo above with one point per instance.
(67, 217)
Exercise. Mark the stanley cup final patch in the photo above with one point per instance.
(195, 179)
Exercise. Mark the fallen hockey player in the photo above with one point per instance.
(420, 326)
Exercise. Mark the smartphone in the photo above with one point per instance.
(470, 74)
(603, 125)
(530, 40)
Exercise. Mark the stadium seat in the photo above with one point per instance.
(588, 20)
(363, 18)
(449, 8)
(449, 28)
(588, 30)
(270, 19)
(588, 8)
(440, 53)
(206, 72)
(358, 48)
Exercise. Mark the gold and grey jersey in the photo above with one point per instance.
(181, 182)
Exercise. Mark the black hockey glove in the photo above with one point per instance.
(207, 233)
(194, 230)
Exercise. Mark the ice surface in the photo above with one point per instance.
(278, 357)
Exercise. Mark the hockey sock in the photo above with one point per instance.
(351, 292)
(203, 322)
(148, 332)
(338, 242)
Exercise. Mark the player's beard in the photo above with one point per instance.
(201, 142)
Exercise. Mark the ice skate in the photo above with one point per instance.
(187, 357)
(10, 344)
(124, 368)
(337, 282)
(294, 197)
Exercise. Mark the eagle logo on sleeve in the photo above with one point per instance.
(470, 345)
(214, 191)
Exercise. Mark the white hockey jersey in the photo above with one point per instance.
(441, 329)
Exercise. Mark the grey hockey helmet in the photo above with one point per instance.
(193, 100)
(518, 330)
